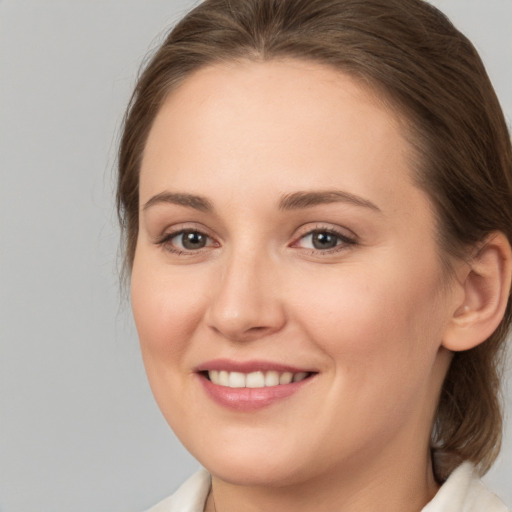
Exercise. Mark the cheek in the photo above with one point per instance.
(373, 319)
(167, 308)
(378, 330)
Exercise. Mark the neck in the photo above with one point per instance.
(404, 485)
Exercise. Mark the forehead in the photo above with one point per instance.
(286, 88)
(286, 123)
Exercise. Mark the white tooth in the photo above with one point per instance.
(214, 376)
(255, 380)
(236, 380)
(271, 379)
(299, 376)
(223, 378)
(285, 378)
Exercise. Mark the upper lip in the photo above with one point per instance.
(248, 366)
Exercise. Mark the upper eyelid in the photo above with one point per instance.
(166, 236)
(181, 227)
(310, 228)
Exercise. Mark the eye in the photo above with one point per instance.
(324, 240)
(191, 240)
(186, 240)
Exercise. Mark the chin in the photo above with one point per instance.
(270, 473)
(267, 465)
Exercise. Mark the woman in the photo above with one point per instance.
(317, 203)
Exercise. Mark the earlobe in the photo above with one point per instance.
(486, 291)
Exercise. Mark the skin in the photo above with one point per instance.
(369, 316)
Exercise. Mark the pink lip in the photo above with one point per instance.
(248, 399)
(248, 366)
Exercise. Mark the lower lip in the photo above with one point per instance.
(250, 399)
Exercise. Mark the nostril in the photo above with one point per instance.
(243, 335)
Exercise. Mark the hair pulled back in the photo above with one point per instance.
(462, 157)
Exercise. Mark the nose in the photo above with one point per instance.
(246, 303)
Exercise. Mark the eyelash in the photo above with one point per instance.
(166, 239)
(343, 241)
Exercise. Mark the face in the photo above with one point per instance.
(287, 287)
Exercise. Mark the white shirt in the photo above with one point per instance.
(462, 492)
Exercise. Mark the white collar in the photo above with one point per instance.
(464, 492)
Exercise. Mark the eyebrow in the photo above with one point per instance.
(293, 201)
(189, 200)
(307, 199)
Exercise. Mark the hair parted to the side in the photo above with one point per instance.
(410, 53)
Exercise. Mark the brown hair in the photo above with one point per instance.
(414, 56)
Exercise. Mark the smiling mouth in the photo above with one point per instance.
(253, 380)
(248, 386)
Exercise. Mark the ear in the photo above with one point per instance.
(486, 286)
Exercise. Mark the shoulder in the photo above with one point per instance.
(190, 497)
(465, 492)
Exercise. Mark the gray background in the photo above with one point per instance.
(78, 427)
